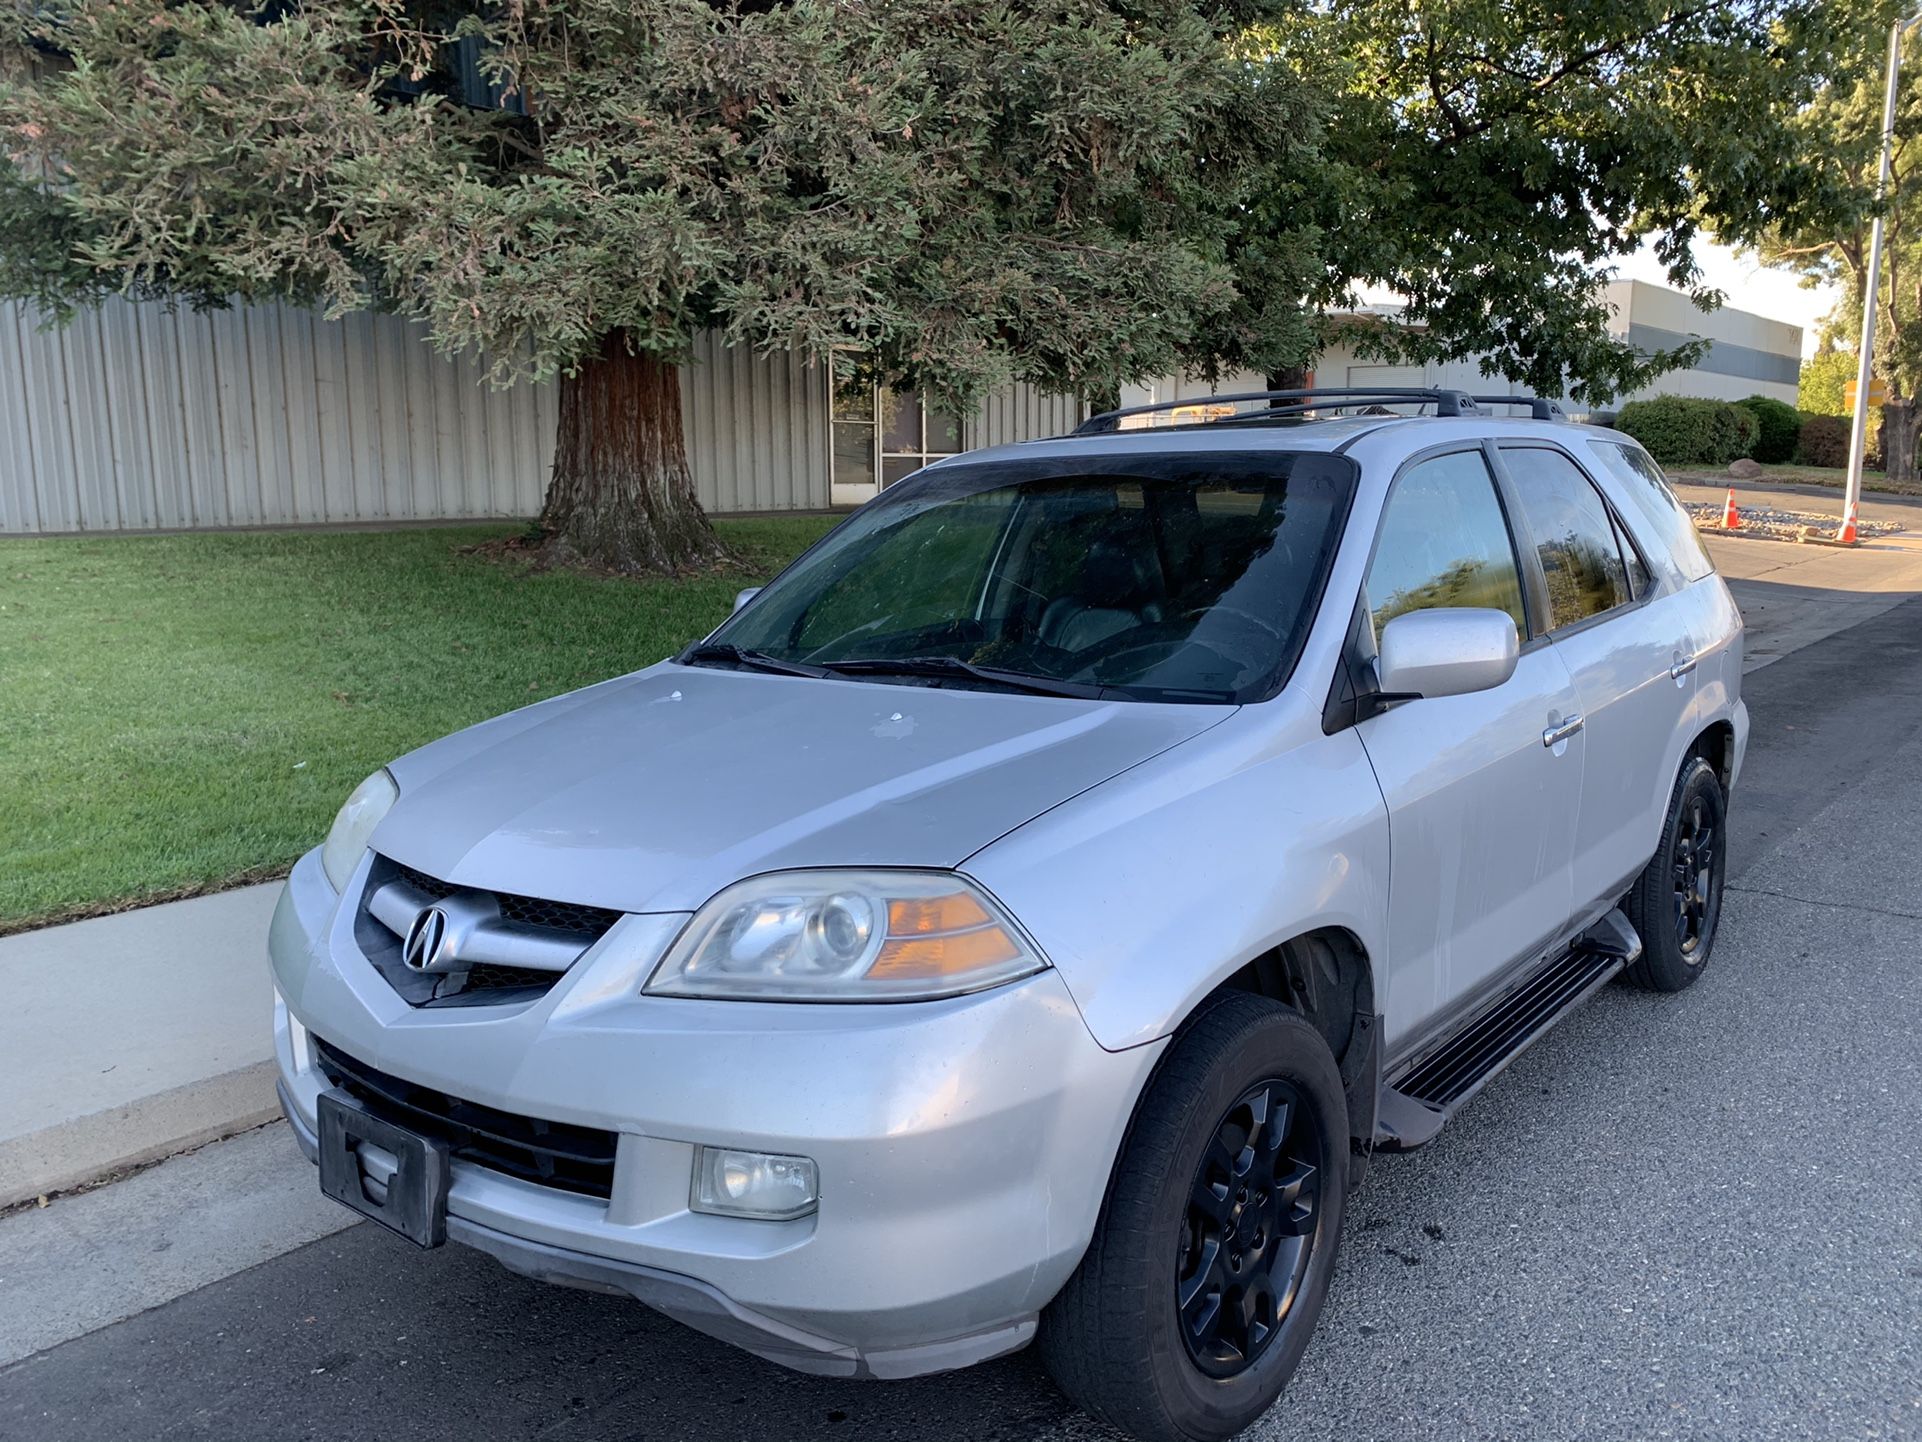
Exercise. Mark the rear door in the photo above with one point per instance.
(1481, 803)
(1627, 640)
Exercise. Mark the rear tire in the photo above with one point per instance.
(1676, 903)
(1230, 1186)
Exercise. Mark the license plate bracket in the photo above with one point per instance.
(357, 1147)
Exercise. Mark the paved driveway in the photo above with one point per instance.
(1688, 1217)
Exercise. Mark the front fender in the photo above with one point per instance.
(1152, 888)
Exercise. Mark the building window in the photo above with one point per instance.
(914, 431)
(881, 435)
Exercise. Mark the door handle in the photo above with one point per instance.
(1681, 668)
(1561, 731)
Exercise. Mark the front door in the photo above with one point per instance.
(1481, 806)
(1631, 649)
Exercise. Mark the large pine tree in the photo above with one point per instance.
(1073, 193)
(965, 193)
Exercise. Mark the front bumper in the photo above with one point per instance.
(964, 1146)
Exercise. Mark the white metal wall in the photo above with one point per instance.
(1020, 413)
(137, 418)
(757, 429)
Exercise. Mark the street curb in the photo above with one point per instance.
(73, 1153)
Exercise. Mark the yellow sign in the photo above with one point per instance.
(1878, 393)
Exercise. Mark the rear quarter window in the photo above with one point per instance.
(1663, 522)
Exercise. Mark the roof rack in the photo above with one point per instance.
(1294, 405)
(1539, 408)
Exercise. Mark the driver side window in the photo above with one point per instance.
(1444, 541)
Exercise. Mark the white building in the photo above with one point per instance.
(1748, 355)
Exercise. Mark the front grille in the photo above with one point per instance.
(527, 910)
(526, 945)
(554, 1154)
(487, 977)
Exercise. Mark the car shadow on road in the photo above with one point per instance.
(392, 1342)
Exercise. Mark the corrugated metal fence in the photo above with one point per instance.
(137, 417)
(1021, 413)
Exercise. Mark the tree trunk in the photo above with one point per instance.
(622, 497)
(1899, 425)
(1293, 379)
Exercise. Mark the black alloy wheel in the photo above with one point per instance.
(1697, 861)
(1251, 1221)
(1675, 905)
(1219, 1234)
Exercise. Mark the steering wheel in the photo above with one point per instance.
(1163, 637)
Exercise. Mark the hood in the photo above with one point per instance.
(653, 791)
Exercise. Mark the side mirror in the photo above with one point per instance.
(1449, 651)
(741, 598)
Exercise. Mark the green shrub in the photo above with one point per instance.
(1778, 426)
(1686, 431)
(1825, 442)
(1748, 428)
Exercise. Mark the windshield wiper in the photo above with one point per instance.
(702, 651)
(954, 666)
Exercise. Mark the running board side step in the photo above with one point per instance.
(1422, 1097)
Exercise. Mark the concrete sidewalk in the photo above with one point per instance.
(136, 1036)
(131, 1037)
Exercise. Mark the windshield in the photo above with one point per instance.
(1158, 578)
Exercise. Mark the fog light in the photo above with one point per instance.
(753, 1184)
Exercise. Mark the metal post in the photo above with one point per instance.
(1865, 357)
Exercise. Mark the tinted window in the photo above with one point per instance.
(1663, 521)
(1638, 578)
(1444, 542)
(1573, 534)
(1174, 578)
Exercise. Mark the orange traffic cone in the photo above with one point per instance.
(1731, 518)
(1845, 536)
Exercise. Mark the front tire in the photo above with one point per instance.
(1214, 1250)
(1676, 902)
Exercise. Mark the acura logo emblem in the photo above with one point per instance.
(424, 938)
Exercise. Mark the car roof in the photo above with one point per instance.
(1335, 435)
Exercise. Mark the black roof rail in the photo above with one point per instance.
(1445, 402)
(1539, 407)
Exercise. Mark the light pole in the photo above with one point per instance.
(1865, 356)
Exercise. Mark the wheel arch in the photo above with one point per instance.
(1327, 975)
(1715, 744)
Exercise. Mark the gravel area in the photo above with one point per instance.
(1771, 523)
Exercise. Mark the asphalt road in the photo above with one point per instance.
(1683, 1217)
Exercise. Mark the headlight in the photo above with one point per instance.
(846, 936)
(365, 806)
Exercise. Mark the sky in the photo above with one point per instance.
(1776, 294)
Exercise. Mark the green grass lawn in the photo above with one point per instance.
(182, 712)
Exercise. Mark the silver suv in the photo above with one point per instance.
(1027, 916)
